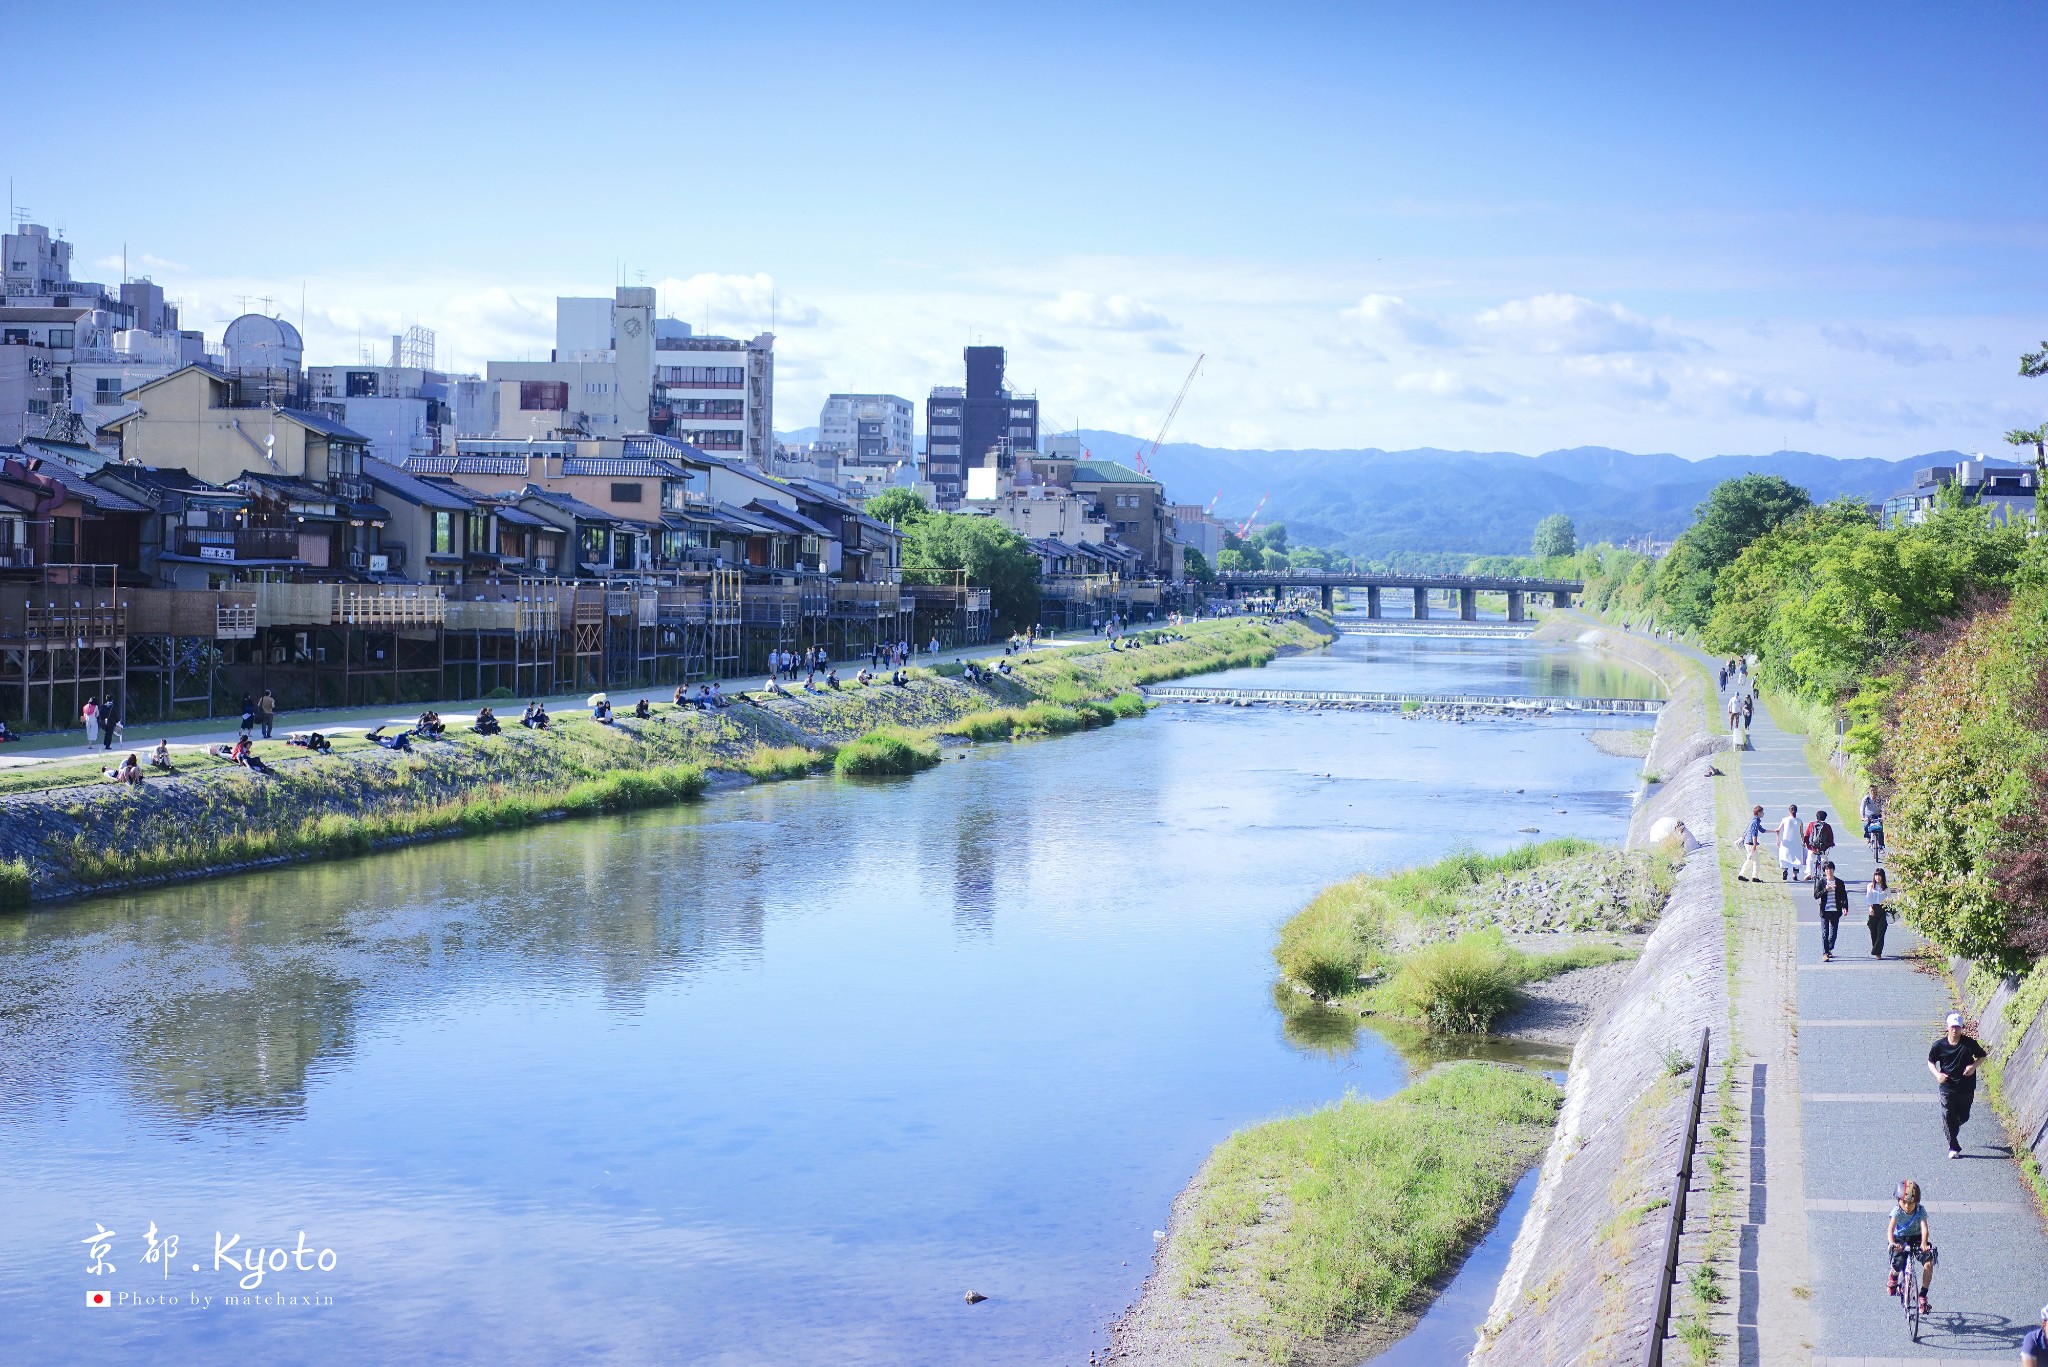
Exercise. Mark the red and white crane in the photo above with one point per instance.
(1244, 528)
(1143, 458)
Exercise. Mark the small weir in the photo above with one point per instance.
(1354, 699)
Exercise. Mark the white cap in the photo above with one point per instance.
(1955, 1018)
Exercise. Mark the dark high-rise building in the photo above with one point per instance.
(983, 423)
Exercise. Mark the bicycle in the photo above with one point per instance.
(1909, 1288)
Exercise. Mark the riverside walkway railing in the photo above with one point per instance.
(1681, 1187)
(1352, 698)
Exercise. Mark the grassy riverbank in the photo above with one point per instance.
(1426, 944)
(64, 833)
(1317, 1237)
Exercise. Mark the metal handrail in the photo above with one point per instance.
(1653, 1355)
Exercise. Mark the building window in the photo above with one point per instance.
(60, 338)
(106, 389)
(596, 544)
(360, 384)
(713, 410)
(444, 533)
(596, 387)
(945, 429)
(714, 440)
(702, 376)
(625, 493)
(63, 540)
(476, 532)
(543, 396)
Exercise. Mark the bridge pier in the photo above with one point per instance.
(1421, 604)
(1515, 605)
(1329, 598)
(1468, 605)
(1372, 600)
(1560, 600)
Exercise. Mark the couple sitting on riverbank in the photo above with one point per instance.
(128, 770)
(535, 718)
(243, 752)
(707, 697)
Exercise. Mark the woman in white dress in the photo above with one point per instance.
(1791, 848)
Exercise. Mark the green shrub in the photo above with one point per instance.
(499, 694)
(1456, 987)
(767, 763)
(884, 752)
(1129, 705)
(14, 884)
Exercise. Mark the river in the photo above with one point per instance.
(776, 1077)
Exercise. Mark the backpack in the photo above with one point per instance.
(1823, 837)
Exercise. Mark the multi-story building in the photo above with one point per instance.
(403, 410)
(2008, 490)
(597, 382)
(69, 349)
(872, 429)
(983, 423)
(717, 394)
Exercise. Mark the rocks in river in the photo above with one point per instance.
(974, 1298)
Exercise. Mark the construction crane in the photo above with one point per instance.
(1212, 503)
(1144, 457)
(1244, 528)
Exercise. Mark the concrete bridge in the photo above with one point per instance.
(1468, 587)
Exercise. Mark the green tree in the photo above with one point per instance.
(897, 507)
(1308, 558)
(1195, 566)
(994, 557)
(1555, 535)
(1737, 512)
(1237, 559)
(1272, 538)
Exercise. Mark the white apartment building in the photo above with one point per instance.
(872, 429)
(403, 410)
(718, 394)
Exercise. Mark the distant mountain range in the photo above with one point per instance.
(1373, 503)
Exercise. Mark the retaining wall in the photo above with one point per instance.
(1582, 1277)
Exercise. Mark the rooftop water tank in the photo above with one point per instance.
(258, 345)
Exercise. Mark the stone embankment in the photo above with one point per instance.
(1582, 1276)
(213, 818)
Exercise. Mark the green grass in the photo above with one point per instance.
(886, 752)
(1365, 1204)
(769, 763)
(14, 884)
(1461, 986)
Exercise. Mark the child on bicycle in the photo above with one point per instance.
(1909, 1228)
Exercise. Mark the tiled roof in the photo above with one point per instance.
(575, 507)
(411, 488)
(106, 500)
(321, 423)
(1108, 472)
(795, 522)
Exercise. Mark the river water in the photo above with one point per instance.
(775, 1078)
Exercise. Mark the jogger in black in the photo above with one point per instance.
(1953, 1060)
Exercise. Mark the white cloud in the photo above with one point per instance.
(1625, 376)
(1111, 313)
(734, 305)
(1391, 317)
(1570, 325)
(1446, 384)
(1902, 347)
(141, 265)
(1744, 395)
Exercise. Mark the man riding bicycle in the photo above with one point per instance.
(1907, 1229)
(2034, 1347)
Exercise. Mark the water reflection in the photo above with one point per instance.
(811, 1058)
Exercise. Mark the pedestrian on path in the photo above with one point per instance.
(1752, 841)
(2034, 1347)
(1878, 899)
(1953, 1060)
(1831, 894)
(266, 712)
(1789, 846)
(91, 713)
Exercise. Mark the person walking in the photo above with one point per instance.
(1752, 841)
(1734, 712)
(266, 712)
(1789, 839)
(110, 722)
(1878, 899)
(91, 713)
(1831, 895)
(1953, 1060)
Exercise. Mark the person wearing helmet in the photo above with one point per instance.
(2034, 1347)
(1909, 1228)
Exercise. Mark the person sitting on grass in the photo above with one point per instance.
(641, 711)
(865, 677)
(486, 723)
(900, 679)
(160, 758)
(7, 732)
(832, 679)
(128, 770)
(310, 740)
(401, 741)
(429, 724)
(602, 712)
(683, 694)
(775, 687)
(1003, 667)
(244, 754)
(811, 682)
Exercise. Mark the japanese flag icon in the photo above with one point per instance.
(99, 1300)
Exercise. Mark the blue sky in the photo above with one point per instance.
(1494, 226)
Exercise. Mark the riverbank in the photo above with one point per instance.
(1262, 1257)
(1583, 1272)
(210, 818)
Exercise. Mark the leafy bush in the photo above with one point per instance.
(1129, 705)
(499, 694)
(886, 752)
(1456, 987)
(768, 763)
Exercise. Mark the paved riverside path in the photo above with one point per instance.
(1869, 1116)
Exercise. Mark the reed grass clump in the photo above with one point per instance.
(885, 752)
(1455, 987)
(1367, 1203)
(14, 884)
(769, 763)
